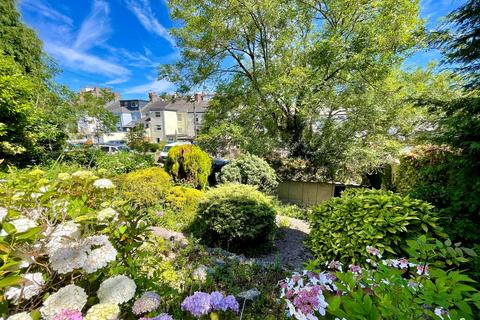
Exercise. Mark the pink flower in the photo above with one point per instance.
(336, 265)
(374, 251)
(422, 270)
(68, 315)
(355, 269)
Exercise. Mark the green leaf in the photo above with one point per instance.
(11, 281)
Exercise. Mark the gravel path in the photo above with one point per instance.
(289, 250)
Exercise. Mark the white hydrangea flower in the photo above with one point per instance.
(64, 176)
(99, 257)
(84, 174)
(21, 316)
(70, 297)
(3, 213)
(103, 311)
(116, 290)
(32, 287)
(23, 224)
(61, 234)
(103, 184)
(69, 257)
(107, 214)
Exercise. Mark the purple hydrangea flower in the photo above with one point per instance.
(162, 316)
(148, 302)
(217, 301)
(199, 304)
(231, 303)
(67, 314)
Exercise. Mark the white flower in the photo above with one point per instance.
(116, 290)
(84, 174)
(107, 214)
(3, 213)
(64, 176)
(20, 316)
(32, 287)
(69, 297)
(23, 224)
(99, 257)
(69, 257)
(72, 255)
(61, 234)
(103, 184)
(103, 311)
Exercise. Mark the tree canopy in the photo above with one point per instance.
(319, 79)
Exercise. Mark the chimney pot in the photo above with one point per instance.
(152, 96)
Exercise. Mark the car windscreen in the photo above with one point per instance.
(166, 148)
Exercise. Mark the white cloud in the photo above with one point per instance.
(95, 28)
(144, 13)
(155, 86)
(118, 80)
(85, 62)
(45, 10)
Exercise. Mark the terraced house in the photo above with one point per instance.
(174, 118)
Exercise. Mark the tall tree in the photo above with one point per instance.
(461, 45)
(316, 78)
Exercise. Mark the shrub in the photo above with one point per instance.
(146, 186)
(123, 162)
(189, 164)
(181, 203)
(343, 227)
(236, 217)
(252, 170)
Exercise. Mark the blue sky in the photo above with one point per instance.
(119, 43)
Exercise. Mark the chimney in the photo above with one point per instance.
(198, 97)
(152, 96)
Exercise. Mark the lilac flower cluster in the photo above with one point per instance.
(67, 314)
(148, 302)
(162, 316)
(202, 303)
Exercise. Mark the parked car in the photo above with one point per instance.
(112, 148)
(167, 147)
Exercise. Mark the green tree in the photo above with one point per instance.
(19, 41)
(316, 78)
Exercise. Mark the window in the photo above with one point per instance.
(158, 114)
(179, 116)
(158, 140)
(158, 127)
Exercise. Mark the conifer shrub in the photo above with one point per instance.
(252, 170)
(236, 217)
(341, 228)
(189, 164)
(146, 187)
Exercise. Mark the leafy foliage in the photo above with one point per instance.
(189, 164)
(181, 204)
(146, 187)
(321, 91)
(252, 170)
(412, 288)
(236, 217)
(343, 227)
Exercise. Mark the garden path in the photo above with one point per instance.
(289, 251)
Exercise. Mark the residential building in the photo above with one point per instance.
(174, 118)
(127, 111)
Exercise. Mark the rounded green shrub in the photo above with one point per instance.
(181, 205)
(236, 217)
(342, 228)
(189, 164)
(252, 170)
(146, 186)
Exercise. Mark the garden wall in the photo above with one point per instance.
(305, 192)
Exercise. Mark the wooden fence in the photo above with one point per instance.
(306, 192)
